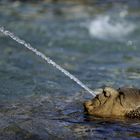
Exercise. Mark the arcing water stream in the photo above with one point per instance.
(47, 59)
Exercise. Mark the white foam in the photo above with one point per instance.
(104, 27)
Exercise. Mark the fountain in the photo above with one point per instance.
(47, 59)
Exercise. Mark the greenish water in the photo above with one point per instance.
(97, 43)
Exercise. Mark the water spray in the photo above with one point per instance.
(47, 59)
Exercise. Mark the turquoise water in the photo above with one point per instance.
(98, 43)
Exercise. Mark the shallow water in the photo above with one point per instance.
(38, 101)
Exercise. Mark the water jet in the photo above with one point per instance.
(47, 59)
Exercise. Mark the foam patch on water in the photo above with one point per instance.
(107, 28)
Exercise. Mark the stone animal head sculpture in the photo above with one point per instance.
(123, 102)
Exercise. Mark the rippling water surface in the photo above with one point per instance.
(97, 42)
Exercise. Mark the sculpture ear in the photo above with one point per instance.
(111, 92)
(121, 94)
(106, 94)
(121, 97)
